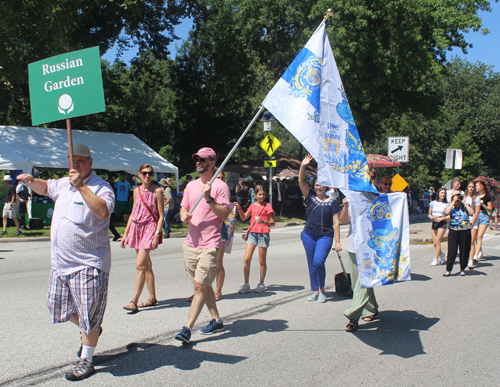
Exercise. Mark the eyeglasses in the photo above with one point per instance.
(384, 183)
(201, 160)
(147, 173)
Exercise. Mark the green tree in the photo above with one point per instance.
(467, 117)
(389, 51)
(33, 30)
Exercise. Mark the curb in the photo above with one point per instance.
(25, 239)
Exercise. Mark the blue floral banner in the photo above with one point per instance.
(381, 235)
(310, 101)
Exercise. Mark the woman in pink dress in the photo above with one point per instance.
(143, 233)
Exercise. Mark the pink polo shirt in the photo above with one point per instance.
(204, 227)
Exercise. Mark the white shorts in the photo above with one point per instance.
(10, 211)
(474, 226)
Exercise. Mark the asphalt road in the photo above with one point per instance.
(432, 330)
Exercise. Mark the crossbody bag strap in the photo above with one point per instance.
(147, 207)
(257, 215)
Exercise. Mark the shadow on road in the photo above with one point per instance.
(140, 358)
(247, 327)
(271, 290)
(396, 332)
(419, 277)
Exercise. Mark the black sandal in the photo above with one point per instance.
(352, 326)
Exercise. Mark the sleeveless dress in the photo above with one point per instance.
(143, 226)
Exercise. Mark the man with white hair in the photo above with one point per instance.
(80, 252)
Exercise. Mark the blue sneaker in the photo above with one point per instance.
(184, 335)
(212, 327)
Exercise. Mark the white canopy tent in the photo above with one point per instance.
(27, 147)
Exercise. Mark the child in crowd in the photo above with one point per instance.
(262, 218)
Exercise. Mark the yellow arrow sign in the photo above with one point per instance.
(270, 163)
(270, 144)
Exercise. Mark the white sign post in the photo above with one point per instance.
(398, 148)
(453, 159)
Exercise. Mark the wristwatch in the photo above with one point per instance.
(210, 200)
(158, 232)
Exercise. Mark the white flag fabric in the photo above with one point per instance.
(380, 227)
(310, 101)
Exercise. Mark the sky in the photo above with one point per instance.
(485, 47)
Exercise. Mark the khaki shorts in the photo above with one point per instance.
(201, 264)
(10, 211)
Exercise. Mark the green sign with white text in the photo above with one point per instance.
(66, 86)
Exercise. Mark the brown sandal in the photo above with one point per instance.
(370, 318)
(149, 302)
(352, 326)
(132, 307)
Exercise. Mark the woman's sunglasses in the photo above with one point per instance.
(147, 173)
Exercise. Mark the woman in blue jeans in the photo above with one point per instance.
(322, 225)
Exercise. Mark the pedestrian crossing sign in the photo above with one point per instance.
(270, 144)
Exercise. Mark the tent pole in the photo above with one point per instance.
(70, 143)
(230, 154)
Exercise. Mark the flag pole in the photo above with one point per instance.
(230, 154)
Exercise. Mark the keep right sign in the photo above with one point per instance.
(398, 148)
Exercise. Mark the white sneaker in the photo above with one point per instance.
(244, 289)
(480, 255)
(442, 259)
(471, 264)
(474, 258)
(434, 262)
(260, 287)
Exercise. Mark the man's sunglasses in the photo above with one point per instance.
(201, 160)
(147, 173)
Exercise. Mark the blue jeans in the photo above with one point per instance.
(317, 250)
(166, 225)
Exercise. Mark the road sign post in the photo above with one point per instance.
(398, 148)
(454, 158)
(270, 144)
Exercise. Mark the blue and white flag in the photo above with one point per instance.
(380, 227)
(310, 101)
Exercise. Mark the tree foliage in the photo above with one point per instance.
(31, 30)
(467, 118)
(392, 56)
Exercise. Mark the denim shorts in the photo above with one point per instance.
(223, 233)
(259, 239)
(483, 218)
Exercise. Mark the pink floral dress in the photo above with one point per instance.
(143, 226)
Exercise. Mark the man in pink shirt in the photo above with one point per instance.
(203, 243)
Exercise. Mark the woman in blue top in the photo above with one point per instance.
(459, 234)
(322, 225)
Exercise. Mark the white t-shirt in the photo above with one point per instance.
(438, 208)
(477, 202)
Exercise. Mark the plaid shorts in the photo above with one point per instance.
(84, 292)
